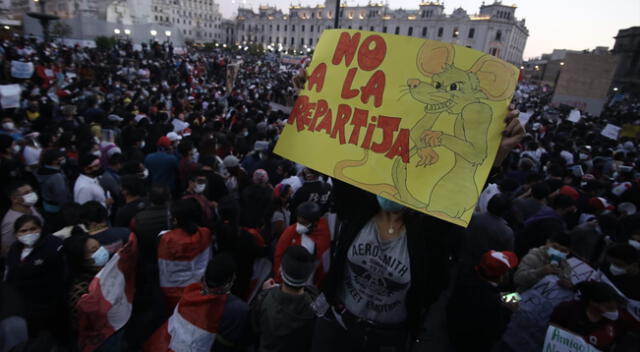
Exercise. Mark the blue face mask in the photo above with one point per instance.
(389, 205)
(100, 257)
(555, 255)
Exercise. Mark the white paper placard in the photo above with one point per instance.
(611, 131)
(10, 96)
(574, 116)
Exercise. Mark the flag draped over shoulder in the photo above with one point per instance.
(193, 325)
(107, 306)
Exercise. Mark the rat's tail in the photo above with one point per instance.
(380, 188)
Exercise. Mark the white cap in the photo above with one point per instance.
(174, 136)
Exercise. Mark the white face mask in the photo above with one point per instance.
(145, 173)
(100, 257)
(635, 244)
(30, 199)
(8, 125)
(16, 149)
(142, 144)
(301, 229)
(611, 315)
(30, 239)
(616, 270)
(199, 188)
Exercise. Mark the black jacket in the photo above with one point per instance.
(475, 314)
(428, 252)
(40, 277)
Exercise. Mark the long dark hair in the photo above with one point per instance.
(186, 213)
(74, 248)
(598, 292)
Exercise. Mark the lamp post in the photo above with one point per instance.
(43, 18)
(336, 18)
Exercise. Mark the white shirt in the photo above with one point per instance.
(87, 189)
(31, 155)
(568, 157)
(294, 182)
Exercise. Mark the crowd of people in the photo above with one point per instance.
(239, 249)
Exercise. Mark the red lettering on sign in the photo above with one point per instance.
(321, 110)
(342, 117)
(400, 146)
(346, 48)
(389, 125)
(347, 91)
(317, 77)
(374, 88)
(370, 58)
(359, 120)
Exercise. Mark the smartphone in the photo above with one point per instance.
(513, 297)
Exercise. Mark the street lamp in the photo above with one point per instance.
(167, 33)
(116, 31)
(561, 63)
(615, 89)
(153, 32)
(127, 31)
(43, 18)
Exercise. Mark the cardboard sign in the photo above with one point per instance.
(10, 96)
(415, 121)
(630, 130)
(232, 72)
(574, 116)
(611, 131)
(22, 70)
(525, 117)
(581, 271)
(560, 340)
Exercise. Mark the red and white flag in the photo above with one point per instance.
(107, 306)
(182, 260)
(193, 325)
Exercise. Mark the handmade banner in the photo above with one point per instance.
(611, 131)
(560, 340)
(232, 72)
(413, 120)
(21, 69)
(10, 96)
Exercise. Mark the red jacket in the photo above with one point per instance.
(322, 239)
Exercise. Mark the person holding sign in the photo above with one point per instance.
(550, 259)
(385, 270)
(596, 316)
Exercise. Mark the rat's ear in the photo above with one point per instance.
(497, 79)
(433, 57)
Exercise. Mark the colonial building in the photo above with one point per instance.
(495, 30)
(627, 47)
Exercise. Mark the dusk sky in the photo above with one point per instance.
(552, 24)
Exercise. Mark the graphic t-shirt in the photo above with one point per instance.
(377, 277)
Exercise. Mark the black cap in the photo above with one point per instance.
(297, 266)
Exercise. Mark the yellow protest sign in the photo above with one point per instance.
(630, 130)
(413, 120)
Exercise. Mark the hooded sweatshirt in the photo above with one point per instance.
(285, 322)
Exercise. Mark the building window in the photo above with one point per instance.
(302, 29)
(301, 41)
(472, 32)
(292, 40)
(410, 31)
(285, 27)
(493, 51)
(311, 29)
(424, 31)
(278, 28)
(270, 28)
(371, 28)
(397, 29)
(293, 27)
(310, 41)
(455, 33)
(349, 27)
(440, 30)
(384, 29)
(498, 35)
(360, 28)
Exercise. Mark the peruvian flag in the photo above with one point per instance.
(107, 306)
(182, 260)
(193, 325)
